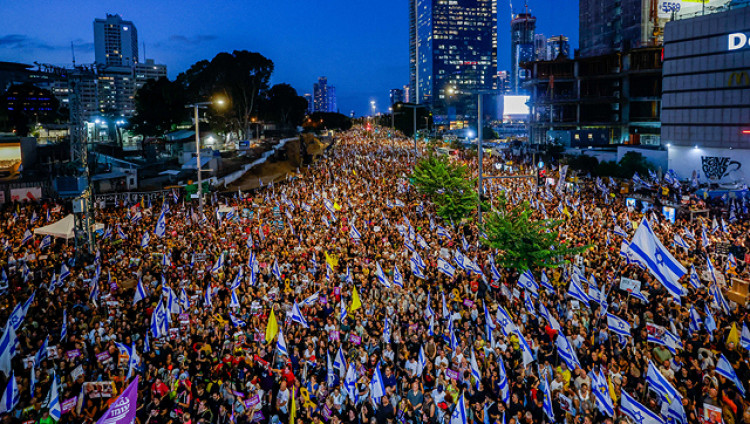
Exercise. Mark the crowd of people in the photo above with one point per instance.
(326, 298)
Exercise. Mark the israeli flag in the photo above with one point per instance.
(296, 315)
(41, 355)
(140, 292)
(547, 404)
(342, 313)
(219, 264)
(745, 337)
(601, 393)
(161, 225)
(348, 279)
(459, 415)
(387, 331)
(416, 270)
(64, 330)
(507, 325)
(380, 275)
(647, 248)
(207, 303)
(339, 362)
(27, 236)
(618, 325)
(576, 291)
(709, 322)
(527, 281)
(695, 321)
(275, 270)
(544, 312)
(417, 259)
(679, 241)
(398, 279)
(620, 232)
(695, 281)
(421, 361)
(724, 369)
(442, 232)
(236, 321)
(637, 412)
(718, 297)
(529, 303)
(353, 233)
(309, 301)
(377, 387)
(496, 276)
(11, 396)
(46, 242)
(446, 268)
(166, 261)
(421, 242)
(64, 272)
(234, 301)
(475, 368)
(659, 384)
(566, 351)
(237, 280)
(184, 299)
(146, 238)
(527, 355)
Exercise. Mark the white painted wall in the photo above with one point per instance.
(730, 165)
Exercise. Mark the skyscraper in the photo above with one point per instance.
(324, 96)
(608, 26)
(558, 47)
(522, 28)
(452, 46)
(310, 103)
(115, 42)
(540, 47)
(396, 96)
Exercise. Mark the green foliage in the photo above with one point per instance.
(448, 185)
(283, 105)
(159, 106)
(631, 163)
(327, 121)
(524, 242)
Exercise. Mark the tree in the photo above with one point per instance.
(159, 106)
(283, 106)
(327, 121)
(524, 242)
(447, 184)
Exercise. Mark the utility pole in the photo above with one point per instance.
(196, 106)
(480, 154)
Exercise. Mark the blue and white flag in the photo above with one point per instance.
(718, 297)
(42, 353)
(296, 316)
(709, 321)
(281, 343)
(695, 321)
(416, 270)
(618, 325)
(507, 326)
(566, 351)
(161, 225)
(398, 279)
(647, 248)
(145, 240)
(275, 270)
(8, 349)
(496, 276)
(46, 242)
(503, 381)
(680, 242)
(442, 232)
(421, 361)
(219, 264)
(527, 281)
(387, 331)
(207, 297)
(64, 273)
(353, 233)
(234, 301)
(26, 237)
(446, 268)
(576, 291)
(64, 330)
(381, 277)
(544, 282)
(695, 281)
(459, 415)
(659, 384)
(528, 303)
(11, 396)
(475, 372)
(544, 312)
(724, 369)
(547, 403)
(620, 232)
(745, 337)
(377, 387)
(637, 412)
(140, 292)
(310, 300)
(55, 411)
(528, 356)
(600, 389)
(339, 362)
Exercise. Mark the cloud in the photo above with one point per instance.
(82, 45)
(20, 41)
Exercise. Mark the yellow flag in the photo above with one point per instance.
(565, 211)
(272, 328)
(332, 260)
(293, 409)
(356, 304)
(336, 206)
(734, 335)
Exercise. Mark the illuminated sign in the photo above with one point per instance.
(738, 78)
(737, 41)
(515, 105)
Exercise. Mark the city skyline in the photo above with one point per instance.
(366, 59)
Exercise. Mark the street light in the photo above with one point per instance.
(196, 106)
(393, 122)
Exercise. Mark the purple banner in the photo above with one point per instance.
(468, 303)
(73, 353)
(252, 402)
(333, 335)
(452, 374)
(122, 410)
(69, 404)
(355, 339)
(103, 356)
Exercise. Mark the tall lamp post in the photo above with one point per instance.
(196, 106)
(480, 125)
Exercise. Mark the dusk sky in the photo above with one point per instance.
(361, 46)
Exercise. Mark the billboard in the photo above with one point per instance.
(515, 105)
(681, 9)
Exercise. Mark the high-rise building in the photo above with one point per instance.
(407, 94)
(540, 47)
(147, 71)
(324, 96)
(396, 96)
(115, 42)
(503, 82)
(557, 47)
(452, 46)
(522, 28)
(310, 103)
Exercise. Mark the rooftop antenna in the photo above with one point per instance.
(73, 53)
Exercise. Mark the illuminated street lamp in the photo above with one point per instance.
(195, 107)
